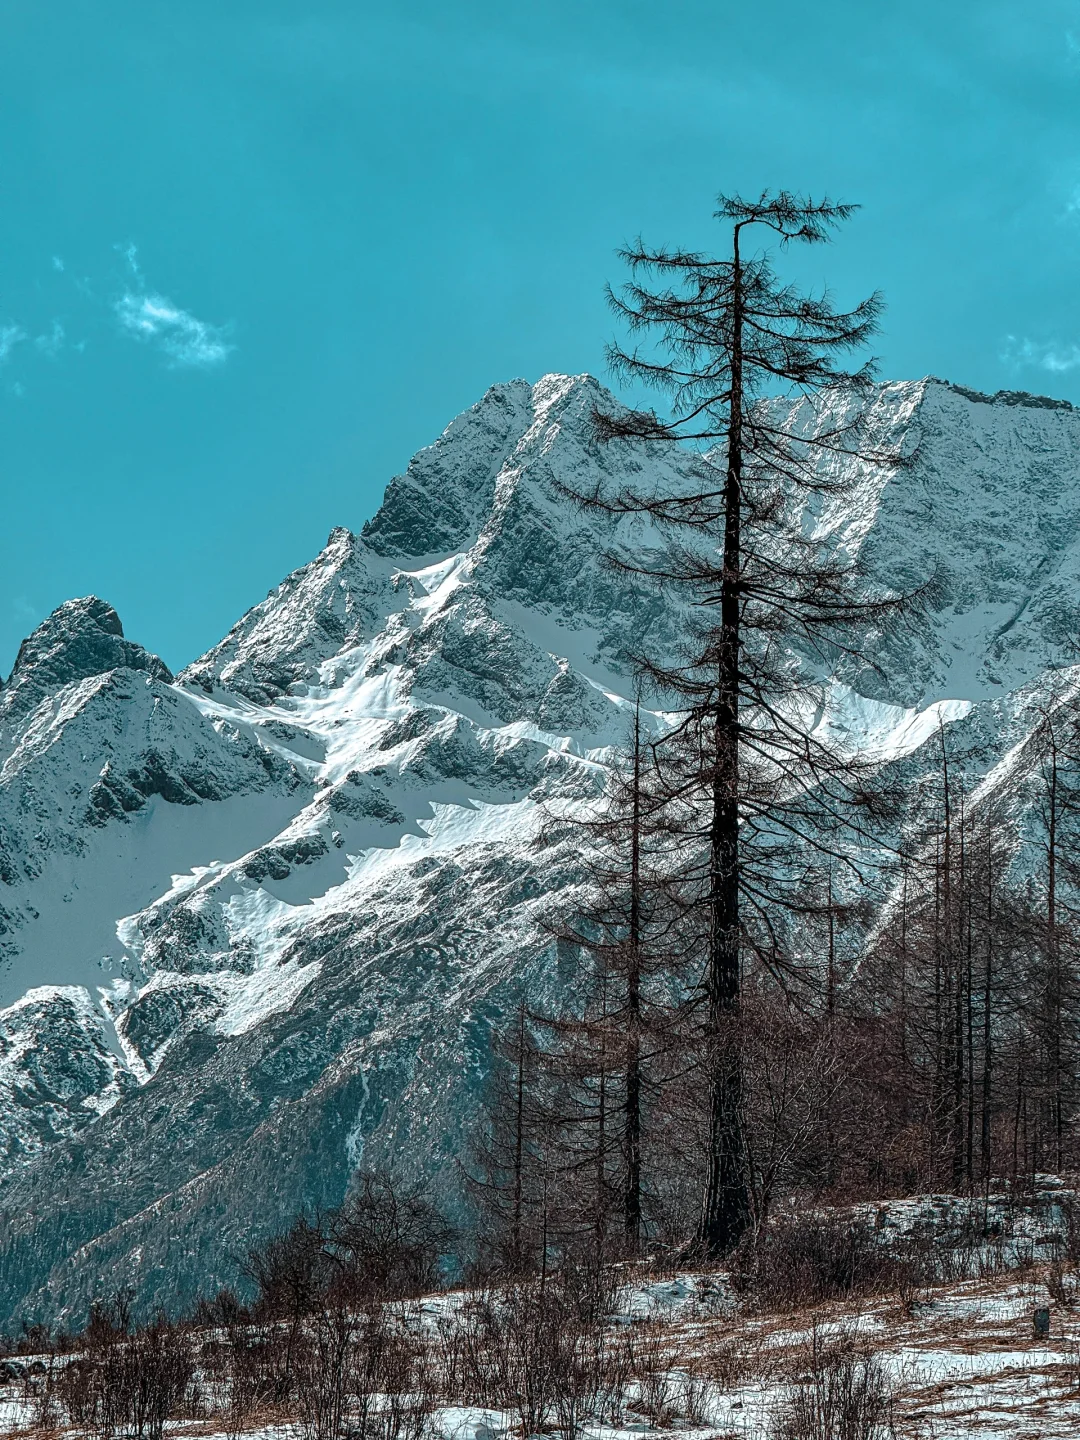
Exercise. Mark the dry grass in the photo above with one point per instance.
(960, 1358)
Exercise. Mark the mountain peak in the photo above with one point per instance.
(80, 639)
(439, 505)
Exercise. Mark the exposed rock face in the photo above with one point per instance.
(305, 879)
(80, 639)
(325, 607)
(441, 502)
(57, 1072)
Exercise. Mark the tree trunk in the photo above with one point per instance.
(1053, 959)
(632, 1130)
(519, 1143)
(725, 1210)
(987, 1035)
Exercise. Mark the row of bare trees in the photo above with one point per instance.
(972, 990)
(937, 1050)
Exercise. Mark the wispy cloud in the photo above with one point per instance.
(154, 318)
(10, 335)
(52, 341)
(180, 335)
(1046, 355)
(130, 252)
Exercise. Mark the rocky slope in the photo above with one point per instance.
(259, 920)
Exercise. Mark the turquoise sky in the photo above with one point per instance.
(255, 254)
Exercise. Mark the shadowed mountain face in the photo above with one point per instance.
(259, 921)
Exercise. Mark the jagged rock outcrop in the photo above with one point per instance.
(80, 639)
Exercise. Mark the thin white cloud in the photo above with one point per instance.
(58, 264)
(10, 335)
(52, 342)
(157, 320)
(1056, 358)
(129, 252)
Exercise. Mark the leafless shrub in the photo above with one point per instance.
(40, 1393)
(469, 1357)
(224, 1309)
(952, 1264)
(80, 1395)
(325, 1372)
(244, 1364)
(161, 1368)
(911, 1279)
(814, 1258)
(363, 1372)
(1069, 1213)
(127, 1382)
(693, 1399)
(290, 1271)
(93, 1388)
(846, 1395)
(539, 1347)
(653, 1388)
(1062, 1283)
(250, 1369)
(386, 1240)
(730, 1360)
(992, 1260)
(410, 1385)
(540, 1335)
(394, 1385)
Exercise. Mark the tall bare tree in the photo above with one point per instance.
(750, 367)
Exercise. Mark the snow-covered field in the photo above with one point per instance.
(962, 1360)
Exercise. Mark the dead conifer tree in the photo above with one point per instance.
(750, 368)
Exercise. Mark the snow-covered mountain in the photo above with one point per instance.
(261, 918)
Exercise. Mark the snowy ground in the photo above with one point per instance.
(964, 1360)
